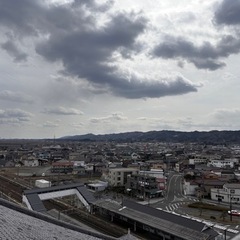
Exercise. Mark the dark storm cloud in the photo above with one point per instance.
(32, 18)
(228, 12)
(204, 56)
(86, 50)
(22, 17)
(88, 54)
(154, 89)
(13, 51)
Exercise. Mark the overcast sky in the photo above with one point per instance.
(91, 66)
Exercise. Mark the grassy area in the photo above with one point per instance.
(205, 211)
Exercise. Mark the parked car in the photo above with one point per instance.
(234, 213)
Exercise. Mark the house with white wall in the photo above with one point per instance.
(230, 193)
(222, 163)
(30, 161)
(189, 188)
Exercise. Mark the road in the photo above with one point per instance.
(175, 201)
(173, 197)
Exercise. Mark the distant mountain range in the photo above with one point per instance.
(211, 137)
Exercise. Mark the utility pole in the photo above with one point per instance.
(230, 203)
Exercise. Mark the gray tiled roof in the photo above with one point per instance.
(88, 196)
(185, 222)
(186, 228)
(53, 189)
(17, 223)
(36, 203)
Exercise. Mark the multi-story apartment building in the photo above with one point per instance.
(143, 186)
(118, 176)
(223, 163)
(198, 160)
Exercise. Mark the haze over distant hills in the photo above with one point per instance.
(214, 137)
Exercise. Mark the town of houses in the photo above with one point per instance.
(140, 169)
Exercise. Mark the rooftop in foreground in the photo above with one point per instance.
(18, 223)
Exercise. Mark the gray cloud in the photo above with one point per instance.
(63, 111)
(15, 97)
(85, 47)
(49, 124)
(32, 18)
(139, 89)
(111, 118)
(204, 56)
(227, 114)
(86, 54)
(90, 59)
(13, 51)
(228, 12)
(76, 125)
(22, 17)
(8, 116)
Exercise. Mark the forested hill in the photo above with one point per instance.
(215, 137)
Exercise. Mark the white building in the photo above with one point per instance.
(30, 161)
(98, 186)
(197, 160)
(222, 163)
(189, 188)
(230, 193)
(157, 173)
(118, 176)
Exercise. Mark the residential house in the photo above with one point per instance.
(228, 174)
(135, 156)
(98, 157)
(56, 156)
(44, 155)
(30, 161)
(201, 186)
(99, 167)
(156, 164)
(79, 170)
(62, 166)
(189, 188)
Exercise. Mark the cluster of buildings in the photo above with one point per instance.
(141, 169)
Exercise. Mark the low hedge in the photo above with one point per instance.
(208, 206)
